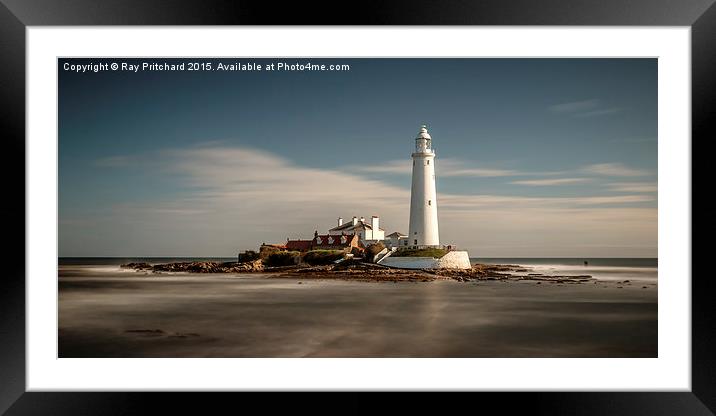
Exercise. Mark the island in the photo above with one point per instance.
(353, 269)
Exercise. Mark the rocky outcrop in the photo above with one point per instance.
(199, 267)
(356, 270)
(137, 266)
(362, 271)
(373, 250)
(508, 272)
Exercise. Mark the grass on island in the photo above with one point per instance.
(322, 257)
(420, 252)
(292, 258)
(283, 258)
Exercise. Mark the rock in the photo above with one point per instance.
(136, 266)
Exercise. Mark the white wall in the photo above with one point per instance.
(410, 262)
(423, 215)
(455, 260)
(452, 260)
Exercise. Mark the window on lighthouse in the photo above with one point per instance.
(428, 162)
(430, 201)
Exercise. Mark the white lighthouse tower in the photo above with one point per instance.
(423, 230)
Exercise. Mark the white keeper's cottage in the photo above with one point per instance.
(366, 231)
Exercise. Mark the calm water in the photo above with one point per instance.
(614, 269)
(105, 311)
(87, 261)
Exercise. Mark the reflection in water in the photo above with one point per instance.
(105, 312)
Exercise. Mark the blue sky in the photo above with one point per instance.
(535, 157)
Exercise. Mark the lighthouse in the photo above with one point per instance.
(423, 230)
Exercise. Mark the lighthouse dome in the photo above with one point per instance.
(423, 133)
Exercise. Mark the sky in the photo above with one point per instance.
(535, 157)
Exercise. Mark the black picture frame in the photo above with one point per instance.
(16, 15)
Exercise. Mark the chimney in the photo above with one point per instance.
(362, 219)
(355, 220)
(374, 222)
(340, 221)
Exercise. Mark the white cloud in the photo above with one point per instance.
(236, 198)
(634, 187)
(574, 106)
(551, 182)
(457, 202)
(613, 169)
(601, 112)
(446, 168)
(397, 167)
(552, 231)
(583, 109)
(455, 168)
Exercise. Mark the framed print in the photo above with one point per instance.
(466, 202)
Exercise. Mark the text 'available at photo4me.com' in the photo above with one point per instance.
(207, 66)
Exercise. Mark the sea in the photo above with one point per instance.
(107, 311)
(598, 268)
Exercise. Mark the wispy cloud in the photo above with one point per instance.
(450, 167)
(584, 108)
(398, 167)
(447, 167)
(462, 202)
(241, 196)
(636, 187)
(601, 112)
(574, 106)
(613, 169)
(551, 182)
(456, 168)
(234, 198)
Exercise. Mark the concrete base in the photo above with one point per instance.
(452, 260)
(455, 260)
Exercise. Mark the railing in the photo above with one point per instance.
(448, 247)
